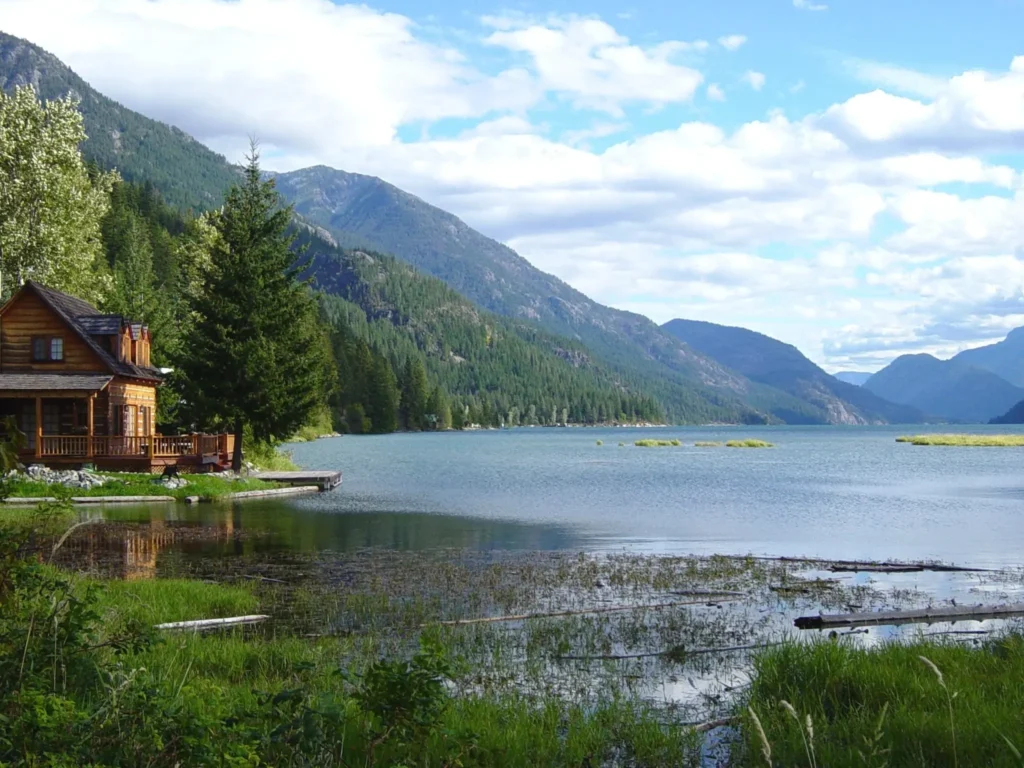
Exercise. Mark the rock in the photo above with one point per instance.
(69, 478)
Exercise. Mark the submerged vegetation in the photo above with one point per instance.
(965, 440)
(749, 444)
(707, 444)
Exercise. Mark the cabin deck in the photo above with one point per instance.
(325, 480)
(136, 454)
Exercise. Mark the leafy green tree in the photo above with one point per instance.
(257, 355)
(50, 205)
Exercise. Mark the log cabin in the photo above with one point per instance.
(82, 387)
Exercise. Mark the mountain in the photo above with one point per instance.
(1004, 358)
(782, 366)
(853, 377)
(186, 173)
(1013, 416)
(364, 211)
(947, 388)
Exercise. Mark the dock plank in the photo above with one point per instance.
(324, 479)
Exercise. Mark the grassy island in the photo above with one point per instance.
(749, 444)
(966, 440)
(656, 443)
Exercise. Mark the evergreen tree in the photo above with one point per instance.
(439, 414)
(382, 396)
(257, 355)
(414, 395)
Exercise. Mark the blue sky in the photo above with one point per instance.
(845, 176)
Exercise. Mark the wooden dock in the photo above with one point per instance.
(324, 480)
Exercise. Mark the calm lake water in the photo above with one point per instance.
(841, 492)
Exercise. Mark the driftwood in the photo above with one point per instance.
(841, 566)
(210, 623)
(919, 616)
(710, 725)
(556, 614)
(677, 651)
(708, 593)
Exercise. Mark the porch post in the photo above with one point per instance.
(90, 422)
(39, 427)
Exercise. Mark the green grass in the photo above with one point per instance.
(844, 691)
(137, 484)
(155, 601)
(656, 443)
(748, 444)
(966, 440)
(707, 444)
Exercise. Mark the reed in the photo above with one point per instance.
(656, 443)
(748, 444)
(964, 440)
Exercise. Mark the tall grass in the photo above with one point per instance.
(964, 440)
(656, 443)
(748, 444)
(139, 484)
(935, 704)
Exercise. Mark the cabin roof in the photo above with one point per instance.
(83, 318)
(100, 325)
(53, 381)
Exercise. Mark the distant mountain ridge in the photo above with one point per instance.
(782, 366)
(856, 378)
(1004, 358)
(951, 389)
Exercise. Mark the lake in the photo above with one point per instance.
(832, 492)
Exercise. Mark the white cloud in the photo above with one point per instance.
(836, 230)
(596, 67)
(809, 5)
(732, 42)
(896, 77)
(754, 79)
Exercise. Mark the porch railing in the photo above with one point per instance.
(161, 447)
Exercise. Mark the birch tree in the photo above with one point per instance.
(50, 208)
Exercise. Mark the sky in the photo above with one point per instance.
(843, 175)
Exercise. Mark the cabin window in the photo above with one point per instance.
(47, 348)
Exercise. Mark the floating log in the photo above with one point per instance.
(290, 491)
(867, 565)
(556, 614)
(210, 623)
(919, 616)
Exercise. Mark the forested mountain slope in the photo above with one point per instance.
(780, 365)
(187, 174)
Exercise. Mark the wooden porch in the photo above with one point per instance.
(133, 452)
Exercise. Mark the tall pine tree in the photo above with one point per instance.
(257, 355)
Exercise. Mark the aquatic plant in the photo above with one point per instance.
(600, 442)
(964, 440)
(748, 444)
(648, 443)
(707, 444)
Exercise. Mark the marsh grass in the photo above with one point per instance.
(748, 444)
(648, 443)
(707, 444)
(921, 703)
(964, 440)
(139, 484)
